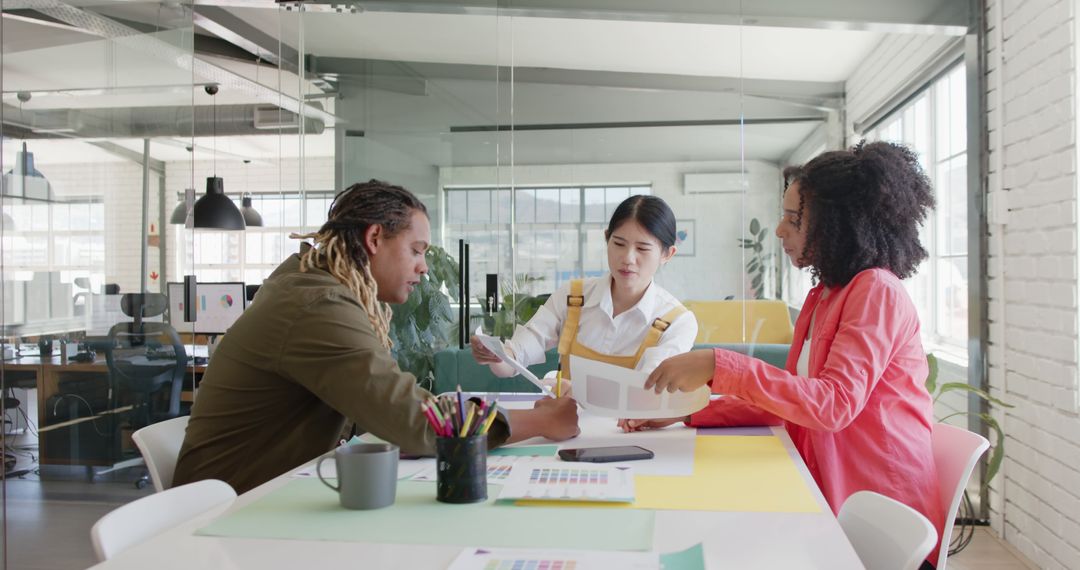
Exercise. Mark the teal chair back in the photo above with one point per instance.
(455, 367)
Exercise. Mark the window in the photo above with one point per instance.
(935, 126)
(559, 230)
(49, 245)
(251, 255)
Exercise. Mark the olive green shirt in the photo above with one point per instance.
(301, 359)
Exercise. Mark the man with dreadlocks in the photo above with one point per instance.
(313, 351)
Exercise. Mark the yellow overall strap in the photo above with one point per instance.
(574, 302)
(657, 329)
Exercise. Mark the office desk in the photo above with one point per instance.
(731, 539)
(48, 373)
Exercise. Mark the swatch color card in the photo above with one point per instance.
(531, 565)
(555, 482)
(568, 477)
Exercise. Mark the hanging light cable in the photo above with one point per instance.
(214, 209)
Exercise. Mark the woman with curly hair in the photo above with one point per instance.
(852, 395)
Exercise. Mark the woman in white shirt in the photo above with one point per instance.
(621, 318)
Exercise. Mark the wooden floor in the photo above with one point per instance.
(48, 525)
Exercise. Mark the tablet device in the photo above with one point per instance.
(606, 454)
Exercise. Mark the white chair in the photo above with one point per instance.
(955, 452)
(160, 446)
(143, 518)
(886, 534)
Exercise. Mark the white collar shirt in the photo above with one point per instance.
(598, 330)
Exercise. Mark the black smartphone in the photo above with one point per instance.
(606, 454)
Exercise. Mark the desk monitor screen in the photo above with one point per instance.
(219, 305)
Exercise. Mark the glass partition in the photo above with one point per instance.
(97, 101)
(521, 130)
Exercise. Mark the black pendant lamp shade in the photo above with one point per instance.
(215, 210)
(251, 217)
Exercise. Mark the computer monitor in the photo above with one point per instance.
(219, 305)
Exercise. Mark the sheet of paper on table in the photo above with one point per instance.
(519, 559)
(692, 558)
(614, 391)
(563, 481)
(496, 347)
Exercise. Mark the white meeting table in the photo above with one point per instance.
(744, 540)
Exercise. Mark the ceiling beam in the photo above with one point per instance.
(225, 25)
(635, 124)
(819, 95)
(890, 16)
(137, 157)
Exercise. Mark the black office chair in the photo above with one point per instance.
(146, 363)
(12, 404)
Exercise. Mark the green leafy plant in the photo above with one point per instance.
(425, 323)
(517, 305)
(962, 536)
(758, 261)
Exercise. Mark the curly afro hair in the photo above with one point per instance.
(863, 209)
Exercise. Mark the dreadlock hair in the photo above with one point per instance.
(339, 243)
(864, 206)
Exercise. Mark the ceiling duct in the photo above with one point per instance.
(150, 122)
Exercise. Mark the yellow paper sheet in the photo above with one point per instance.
(731, 473)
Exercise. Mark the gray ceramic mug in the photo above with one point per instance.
(366, 475)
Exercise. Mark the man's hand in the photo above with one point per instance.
(642, 425)
(560, 418)
(686, 372)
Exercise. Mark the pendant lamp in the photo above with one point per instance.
(214, 210)
(251, 216)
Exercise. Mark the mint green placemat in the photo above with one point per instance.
(692, 558)
(304, 509)
(527, 450)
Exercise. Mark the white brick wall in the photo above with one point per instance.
(1031, 97)
(120, 183)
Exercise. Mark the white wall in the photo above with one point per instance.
(1032, 275)
(716, 269)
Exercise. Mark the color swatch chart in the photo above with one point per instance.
(531, 565)
(561, 481)
(548, 476)
(534, 559)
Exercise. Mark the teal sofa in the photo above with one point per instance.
(455, 367)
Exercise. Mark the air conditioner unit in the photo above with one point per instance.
(715, 183)
(274, 118)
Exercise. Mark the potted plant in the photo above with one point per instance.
(758, 261)
(966, 514)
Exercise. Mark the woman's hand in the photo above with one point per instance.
(642, 425)
(686, 372)
(481, 354)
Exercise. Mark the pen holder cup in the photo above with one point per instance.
(461, 464)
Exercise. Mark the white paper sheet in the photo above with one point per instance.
(618, 392)
(566, 481)
(520, 559)
(495, 346)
